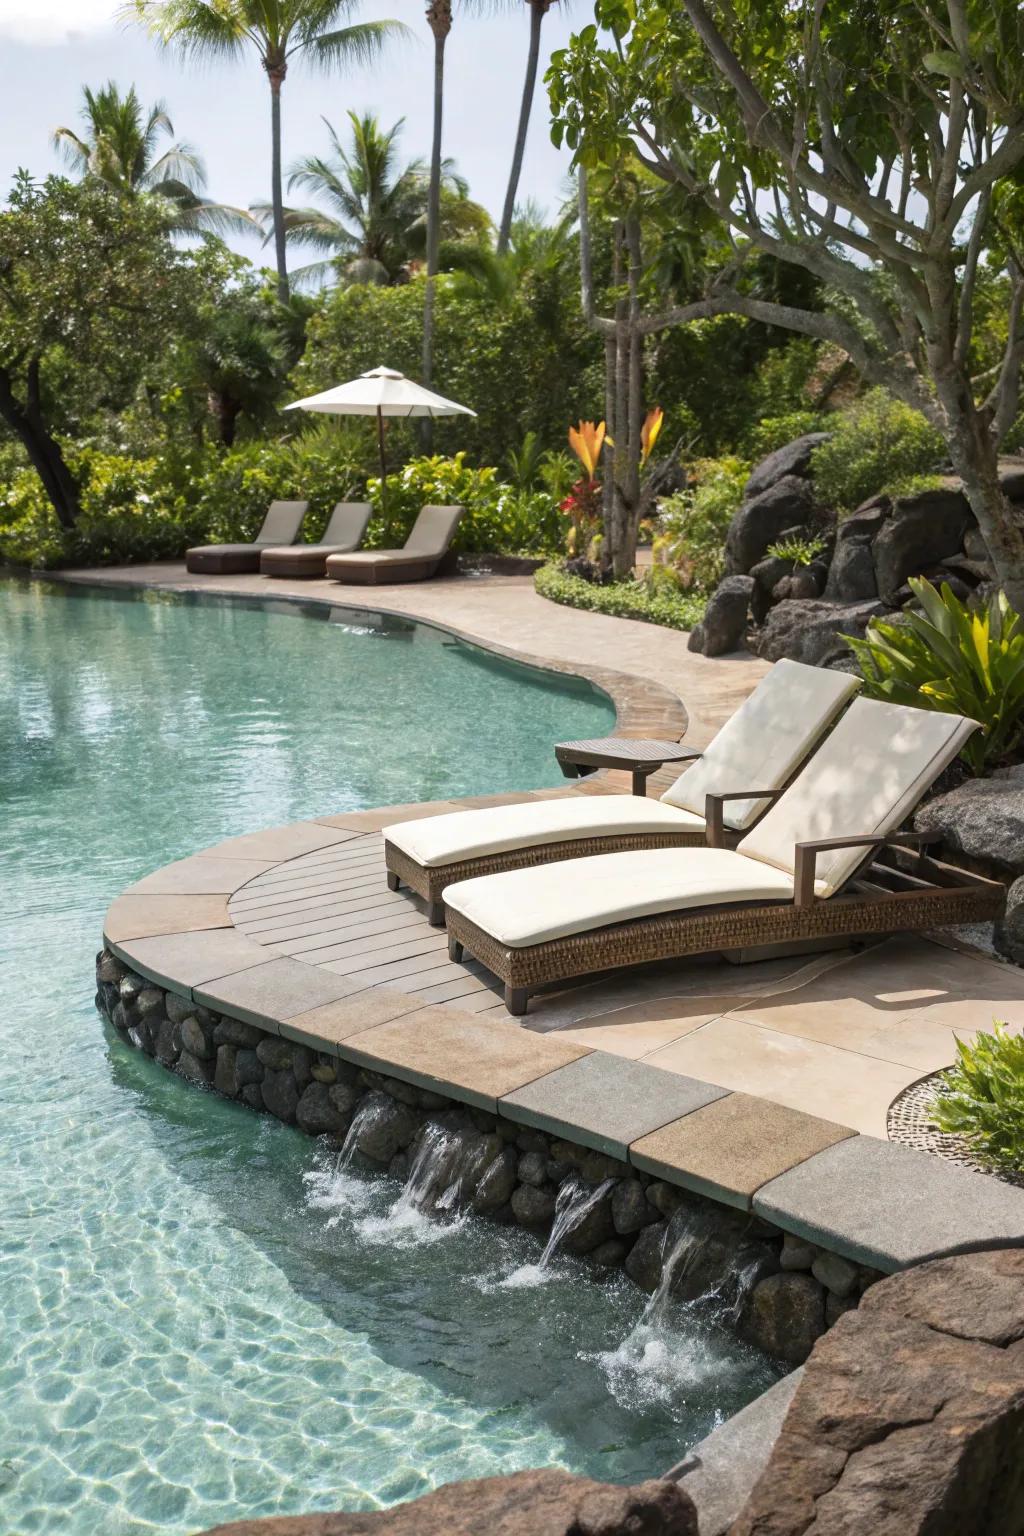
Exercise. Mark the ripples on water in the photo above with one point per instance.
(192, 1329)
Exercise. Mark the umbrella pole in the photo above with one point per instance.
(383, 467)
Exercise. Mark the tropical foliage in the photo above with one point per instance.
(648, 601)
(981, 1098)
(874, 446)
(954, 658)
(693, 523)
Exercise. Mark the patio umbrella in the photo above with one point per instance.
(380, 392)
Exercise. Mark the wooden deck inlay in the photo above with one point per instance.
(333, 909)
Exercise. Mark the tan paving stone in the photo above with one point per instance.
(325, 1027)
(803, 1074)
(277, 844)
(181, 961)
(448, 1050)
(200, 875)
(646, 1029)
(731, 1147)
(388, 815)
(268, 993)
(133, 916)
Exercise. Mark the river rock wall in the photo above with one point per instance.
(780, 1294)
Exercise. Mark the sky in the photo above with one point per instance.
(50, 48)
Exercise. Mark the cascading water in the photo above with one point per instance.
(334, 1188)
(442, 1170)
(574, 1202)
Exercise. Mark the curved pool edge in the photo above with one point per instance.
(642, 707)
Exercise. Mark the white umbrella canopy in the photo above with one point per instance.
(380, 392)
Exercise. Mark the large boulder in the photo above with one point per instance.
(789, 503)
(1009, 930)
(981, 821)
(811, 631)
(920, 531)
(547, 1502)
(793, 459)
(909, 1417)
(851, 577)
(724, 627)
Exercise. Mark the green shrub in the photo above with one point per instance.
(797, 551)
(875, 445)
(232, 490)
(773, 432)
(693, 523)
(624, 599)
(982, 1098)
(498, 517)
(956, 659)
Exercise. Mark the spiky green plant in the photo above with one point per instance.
(981, 1098)
(958, 659)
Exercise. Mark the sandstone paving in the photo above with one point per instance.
(733, 1146)
(606, 1103)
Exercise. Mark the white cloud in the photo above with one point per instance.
(54, 21)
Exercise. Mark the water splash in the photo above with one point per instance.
(574, 1202)
(333, 1187)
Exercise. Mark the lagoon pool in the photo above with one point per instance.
(199, 1321)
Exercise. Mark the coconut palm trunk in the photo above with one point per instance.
(275, 75)
(538, 10)
(439, 20)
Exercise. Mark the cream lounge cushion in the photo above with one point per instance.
(765, 741)
(459, 835)
(865, 779)
(529, 906)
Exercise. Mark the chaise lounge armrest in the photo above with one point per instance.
(714, 811)
(806, 857)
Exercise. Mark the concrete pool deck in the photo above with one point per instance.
(294, 929)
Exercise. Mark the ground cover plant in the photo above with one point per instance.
(981, 1098)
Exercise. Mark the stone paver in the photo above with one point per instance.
(275, 990)
(389, 815)
(199, 875)
(181, 961)
(445, 1049)
(279, 842)
(604, 1102)
(890, 1207)
(729, 1149)
(133, 916)
(325, 1027)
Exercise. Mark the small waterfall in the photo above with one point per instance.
(574, 1202)
(443, 1169)
(334, 1188)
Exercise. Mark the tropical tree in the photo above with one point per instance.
(372, 227)
(279, 31)
(869, 145)
(439, 20)
(538, 10)
(90, 289)
(120, 149)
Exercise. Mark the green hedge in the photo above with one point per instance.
(622, 599)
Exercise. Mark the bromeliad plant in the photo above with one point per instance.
(960, 660)
(582, 506)
(981, 1098)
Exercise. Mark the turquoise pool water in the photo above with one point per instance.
(197, 1322)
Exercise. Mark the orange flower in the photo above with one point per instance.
(649, 432)
(586, 441)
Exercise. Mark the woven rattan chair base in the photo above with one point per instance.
(430, 883)
(882, 901)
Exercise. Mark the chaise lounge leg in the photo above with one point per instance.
(435, 914)
(516, 999)
(393, 881)
(455, 950)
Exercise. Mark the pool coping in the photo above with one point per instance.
(738, 1149)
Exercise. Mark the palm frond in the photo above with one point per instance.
(180, 163)
(362, 43)
(195, 28)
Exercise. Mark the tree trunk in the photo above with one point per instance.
(225, 411)
(976, 460)
(538, 10)
(45, 455)
(439, 19)
(276, 77)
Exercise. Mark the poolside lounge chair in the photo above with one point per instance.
(764, 742)
(805, 872)
(419, 557)
(280, 526)
(343, 533)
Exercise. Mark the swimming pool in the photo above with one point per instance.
(194, 1329)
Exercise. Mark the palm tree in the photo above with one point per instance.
(119, 148)
(538, 10)
(439, 20)
(372, 228)
(278, 30)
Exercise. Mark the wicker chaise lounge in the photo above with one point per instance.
(418, 559)
(343, 533)
(764, 742)
(809, 870)
(280, 526)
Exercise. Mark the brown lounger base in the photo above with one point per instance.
(882, 900)
(211, 562)
(380, 573)
(430, 882)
